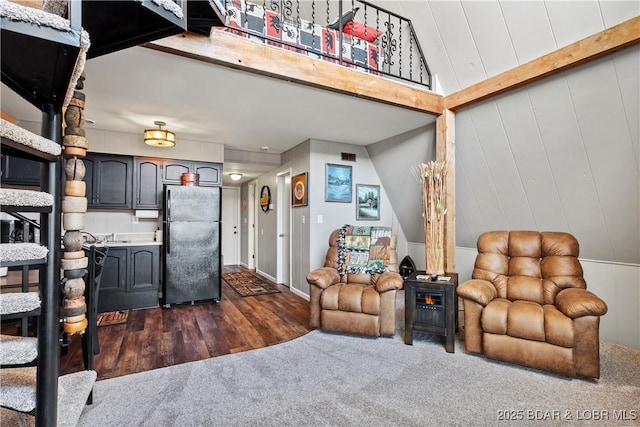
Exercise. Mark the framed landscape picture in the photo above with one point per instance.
(299, 190)
(368, 202)
(337, 183)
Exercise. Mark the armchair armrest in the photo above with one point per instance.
(480, 291)
(323, 277)
(389, 281)
(577, 302)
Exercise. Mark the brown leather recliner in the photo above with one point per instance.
(361, 303)
(527, 303)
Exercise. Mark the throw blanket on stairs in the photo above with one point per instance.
(363, 249)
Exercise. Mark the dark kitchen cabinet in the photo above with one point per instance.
(172, 170)
(144, 269)
(113, 182)
(19, 171)
(210, 173)
(130, 278)
(89, 178)
(109, 180)
(114, 278)
(147, 183)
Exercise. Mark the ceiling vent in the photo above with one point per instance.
(348, 157)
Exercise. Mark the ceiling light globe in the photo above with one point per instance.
(159, 137)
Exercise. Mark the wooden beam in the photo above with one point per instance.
(603, 43)
(446, 151)
(236, 52)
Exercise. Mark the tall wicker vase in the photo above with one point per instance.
(432, 177)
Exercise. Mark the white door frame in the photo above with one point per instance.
(251, 218)
(283, 260)
(236, 200)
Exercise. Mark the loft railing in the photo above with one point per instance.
(353, 33)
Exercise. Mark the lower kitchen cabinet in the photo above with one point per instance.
(130, 278)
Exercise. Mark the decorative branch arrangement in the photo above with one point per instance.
(434, 196)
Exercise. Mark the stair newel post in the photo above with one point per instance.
(48, 324)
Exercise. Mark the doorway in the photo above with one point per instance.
(251, 227)
(230, 225)
(283, 271)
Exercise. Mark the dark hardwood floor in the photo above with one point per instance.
(157, 337)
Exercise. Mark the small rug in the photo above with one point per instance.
(112, 317)
(247, 284)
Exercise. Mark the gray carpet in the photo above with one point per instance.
(327, 379)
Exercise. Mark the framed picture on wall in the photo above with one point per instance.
(337, 183)
(299, 190)
(368, 202)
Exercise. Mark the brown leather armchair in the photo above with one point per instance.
(527, 303)
(354, 303)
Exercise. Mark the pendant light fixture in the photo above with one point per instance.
(159, 137)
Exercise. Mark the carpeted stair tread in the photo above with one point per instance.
(14, 197)
(73, 392)
(12, 418)
(22, 252)
(19, 302)
(29, 139)
(16, 350)
(18, 388)
(18, 392)
(42, 18)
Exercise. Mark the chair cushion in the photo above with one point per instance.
(525, 288)
(528, 320)
(558, 328)
(355, 297)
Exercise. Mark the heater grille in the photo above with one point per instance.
(348, 157)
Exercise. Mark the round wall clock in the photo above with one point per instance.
(265, 198)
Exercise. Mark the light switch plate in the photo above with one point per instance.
(320, 219)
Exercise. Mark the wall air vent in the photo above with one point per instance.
(348, 157)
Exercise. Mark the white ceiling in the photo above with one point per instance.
(128, 90)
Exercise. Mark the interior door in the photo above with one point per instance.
(284, 228)
(251, 234)
(231, 225)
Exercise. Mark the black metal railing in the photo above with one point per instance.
(353, 33)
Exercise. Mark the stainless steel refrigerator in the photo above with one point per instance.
(191, 245)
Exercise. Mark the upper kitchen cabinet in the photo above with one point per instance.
(109, 180)
(172, 170)
(19, 171)
(210, 173)
(147, 183)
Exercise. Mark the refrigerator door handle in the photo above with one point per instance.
(168, 205)
(167, 237)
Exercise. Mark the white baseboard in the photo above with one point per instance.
(299, 293)
(262, 273)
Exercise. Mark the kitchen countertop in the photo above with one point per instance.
(128, 243)
(124, 239)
